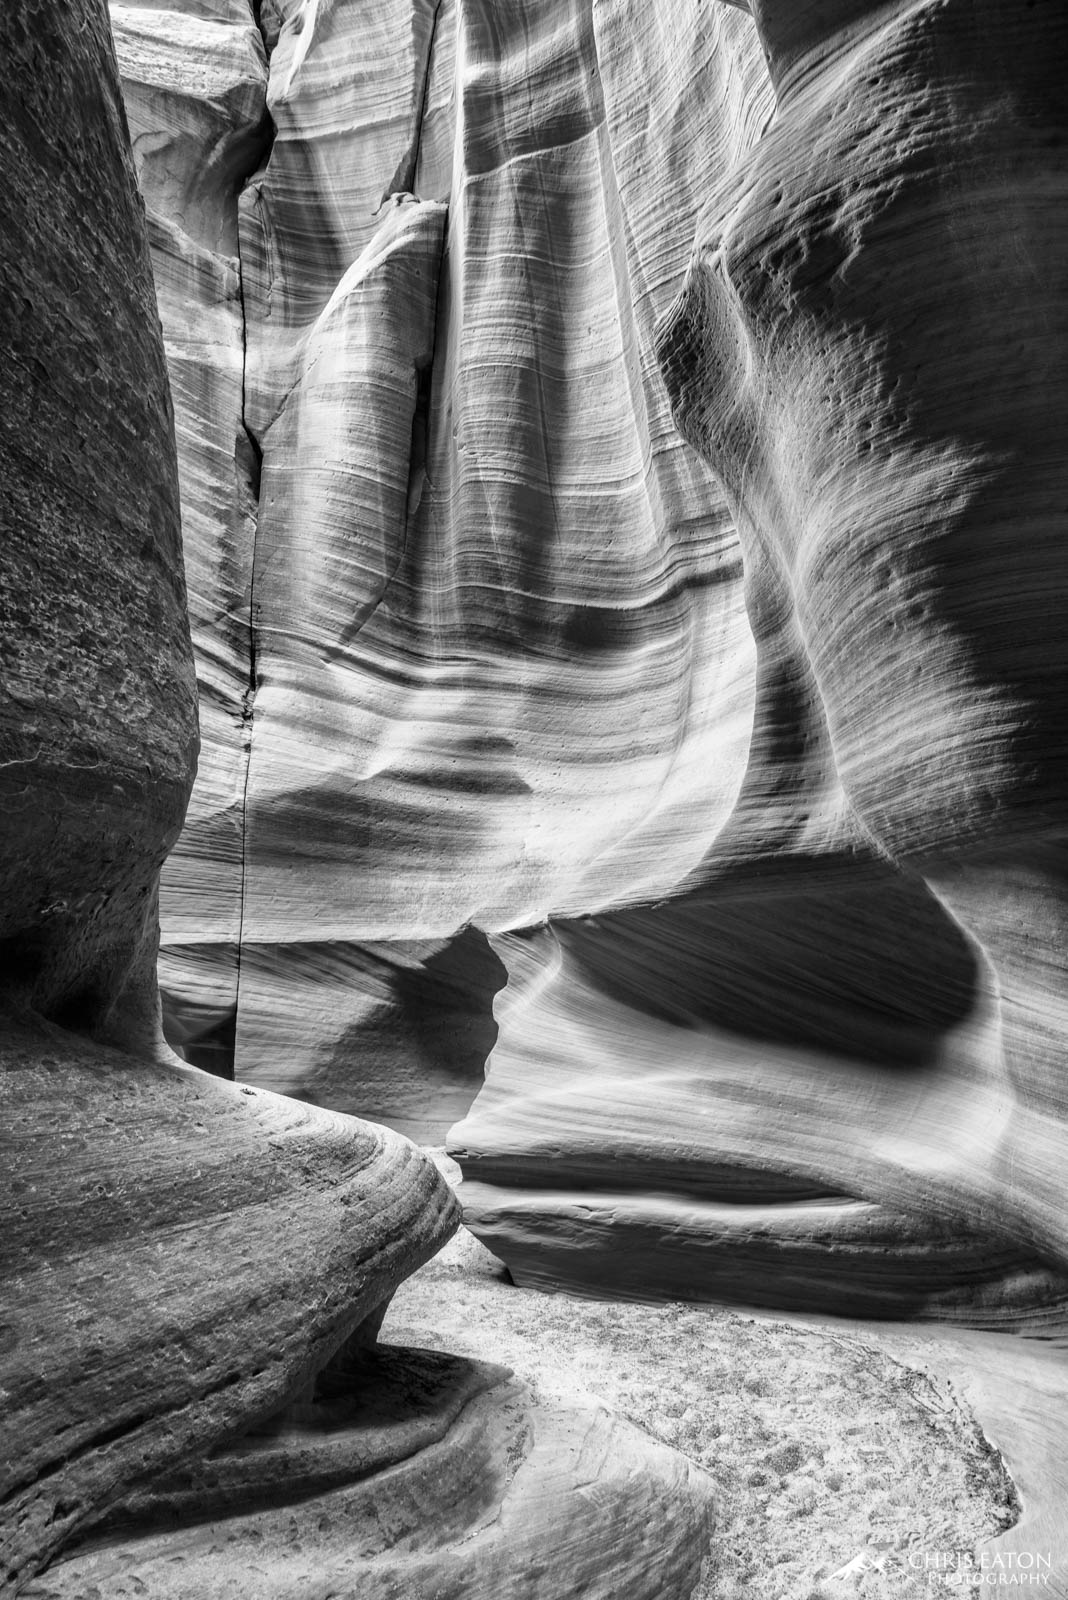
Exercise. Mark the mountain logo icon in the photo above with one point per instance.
(867, 1561)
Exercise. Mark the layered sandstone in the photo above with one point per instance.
(490, 608)
(194, 1272)
(194, 85)
(98, 721)
(724, 755)
(826, 1070)
(177, 1254)
(180, 1256)
(475, 1490)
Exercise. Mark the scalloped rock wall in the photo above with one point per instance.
(193, 1273)
(645, 670)
(176, 1254)
(828, 1070)
(464, 600)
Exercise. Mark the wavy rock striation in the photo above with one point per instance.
(726, 755)
(828, 1070)
(180, 1255)
(490, 607)
(497, 1500)
(176, 1253)
(194, 1272)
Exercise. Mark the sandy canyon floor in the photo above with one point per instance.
(833, 1445)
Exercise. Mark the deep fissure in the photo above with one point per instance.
(249, 456)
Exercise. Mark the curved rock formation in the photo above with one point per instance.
(491, 612)
(903, 477)
(194, 1272)
(738, 758)
(98, 705)
(475, 1511)
(179, 1256)
(856, 999)
(176, 1253)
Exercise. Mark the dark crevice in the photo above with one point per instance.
(420, 443)
(269, 21)
(213, 1051)
(418, 460)
(249, 464)
(628, 1171)
(250, 458)
(403, 179)
(438, 342)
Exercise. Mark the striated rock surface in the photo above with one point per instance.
(193, 1273)
(495, 597)
(827, 1071)
(504, 1497)
(194, 85)
(683, 669)
(176, 1254)
(97, 699)
(179, 1255)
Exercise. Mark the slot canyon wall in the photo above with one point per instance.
(495, 600)
(194, 1273)
(623, 483)
(128, 1179)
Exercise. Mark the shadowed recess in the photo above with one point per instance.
(397, 1031)
(867, 966)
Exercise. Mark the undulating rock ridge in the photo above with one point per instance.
(830, 1070)
(180, 1256)
(480, 1492)
(195, 1403)
(726, 755)
(193, 1273)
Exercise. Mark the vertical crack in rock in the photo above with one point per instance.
(311, 289)
(249, 453)
(403, 179)
(269, 20)
(419, 456)
(194, 94)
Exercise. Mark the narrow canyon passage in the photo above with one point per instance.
(532, 608)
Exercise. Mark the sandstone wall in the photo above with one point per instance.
(669, 648)
(193, 1273)
(493, 596)
(176, 1254)
(98, 703)
(855, 1005)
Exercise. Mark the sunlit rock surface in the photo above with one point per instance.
(689, 629)
(177, 1254)
(193, 1273)
(840, 1046)
(494, 596)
